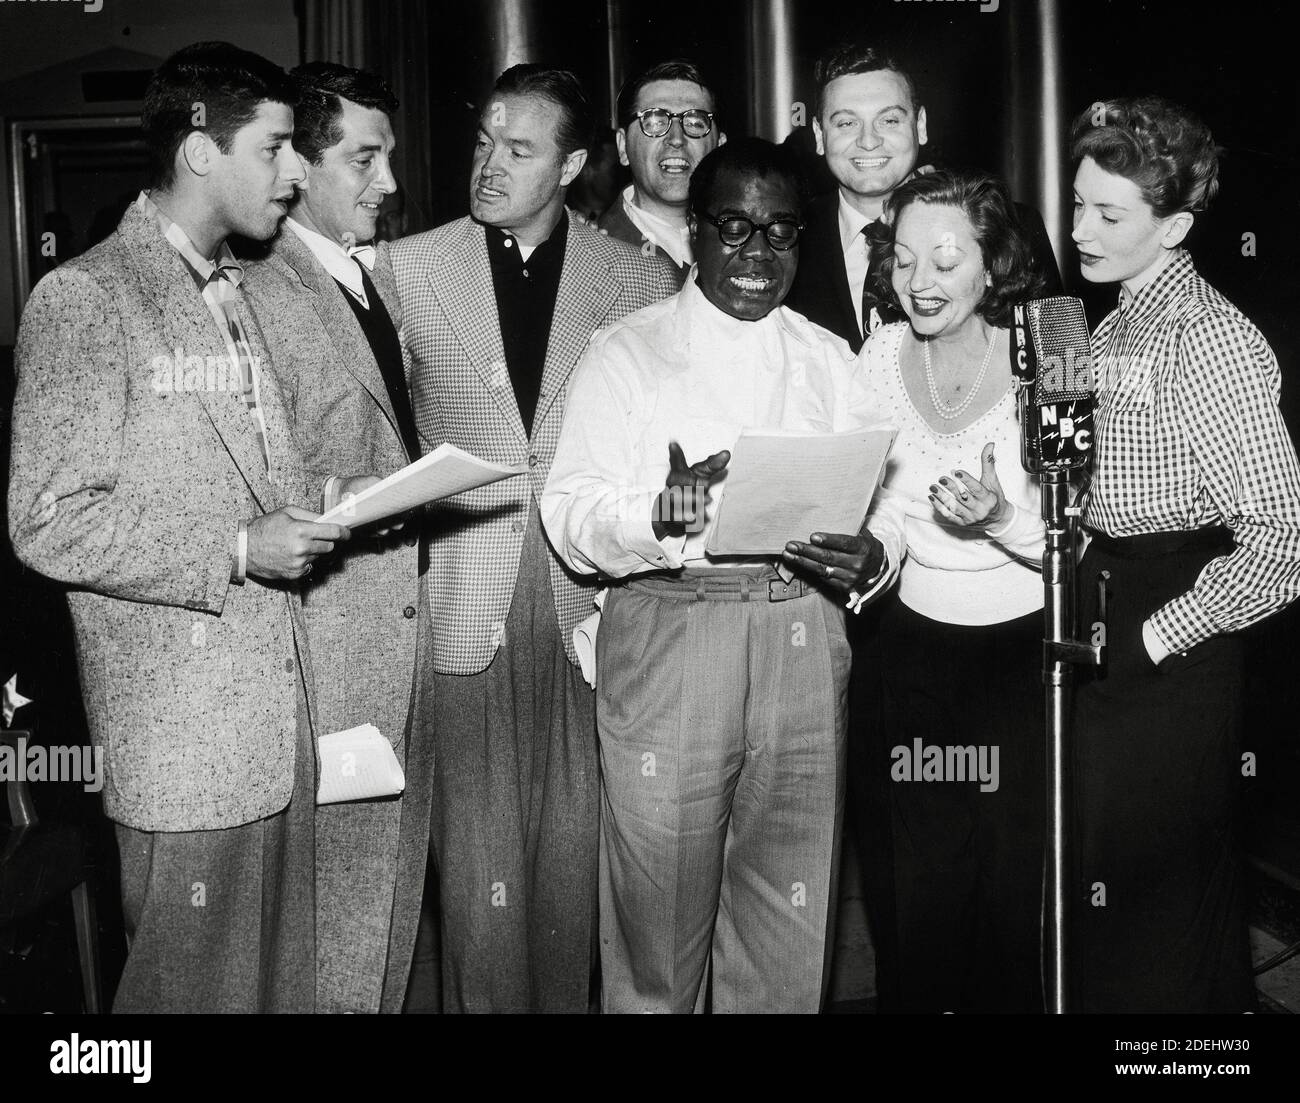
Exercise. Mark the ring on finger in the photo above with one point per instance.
(965, 497)
(829, 570)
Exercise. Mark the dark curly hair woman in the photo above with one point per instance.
(957, 650)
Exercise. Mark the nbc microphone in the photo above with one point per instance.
(1052, 364)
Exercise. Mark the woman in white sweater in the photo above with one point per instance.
(959, 715)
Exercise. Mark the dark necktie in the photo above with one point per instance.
(876, 310)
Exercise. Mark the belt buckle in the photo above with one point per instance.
(780, 590)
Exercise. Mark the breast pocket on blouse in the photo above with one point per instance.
(1129, 407)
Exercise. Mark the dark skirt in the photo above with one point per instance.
(1159, 916)
(967, 857)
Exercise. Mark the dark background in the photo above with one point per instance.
(1232, 64)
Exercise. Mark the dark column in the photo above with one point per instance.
(1035, 157)
(770, 67)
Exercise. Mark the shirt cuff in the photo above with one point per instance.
(883, 577)
(639, 537)
(997, 532)
(329, 497)
(239, 567)
(1021, 533)
(1183, 623)
(1157, 652)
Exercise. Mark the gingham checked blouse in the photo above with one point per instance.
(1189, 435)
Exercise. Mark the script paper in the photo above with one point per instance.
(445, 471)
(786, 486)
(357, 764)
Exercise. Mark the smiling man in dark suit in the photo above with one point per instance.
(497, 309)
(328, 306)
(151, 470)
(871, 127)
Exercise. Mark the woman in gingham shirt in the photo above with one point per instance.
(1194, 509)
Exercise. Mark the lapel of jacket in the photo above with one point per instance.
(165, 278)
(616, 223)
(460, 279)
(347, 338)
(587, 291)
(386, 283)
(825, 243)
(620, 226)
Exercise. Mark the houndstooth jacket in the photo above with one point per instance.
(461, 392)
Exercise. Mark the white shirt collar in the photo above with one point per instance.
(337, 260)
(698, 318)
(672, 239)
(851, 222)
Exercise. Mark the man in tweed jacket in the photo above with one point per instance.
(152, 471)
(497, 309)
(328, 306)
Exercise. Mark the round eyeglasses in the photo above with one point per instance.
(655, 121)
(736, 230)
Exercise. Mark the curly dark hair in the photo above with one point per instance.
(227, 82)
(1005, 248)
(1162, 147)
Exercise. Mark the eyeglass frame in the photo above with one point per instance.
(639, 116)
(754, 227)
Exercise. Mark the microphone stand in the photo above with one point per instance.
(1061, 652)
(1049, 395)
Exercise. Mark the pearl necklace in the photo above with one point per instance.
(952, 413)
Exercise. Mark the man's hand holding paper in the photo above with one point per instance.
(350, 488)
(787, 489)
(442, 473)
(849, 564)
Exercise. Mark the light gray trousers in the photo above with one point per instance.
(722, 723)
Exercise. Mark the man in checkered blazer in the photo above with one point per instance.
(497, 309)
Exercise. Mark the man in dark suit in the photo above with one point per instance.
(667, 126)
(870, 127)
(151, 470)
(497, 309)
(328, 305)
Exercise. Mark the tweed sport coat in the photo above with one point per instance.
(368, 622)
(355, 601)
(130, 490)
(462, 393)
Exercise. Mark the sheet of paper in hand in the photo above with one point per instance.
(357, 764)
(445, 471)
(785, 486)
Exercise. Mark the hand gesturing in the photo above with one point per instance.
(970, 501)
(679, 509)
